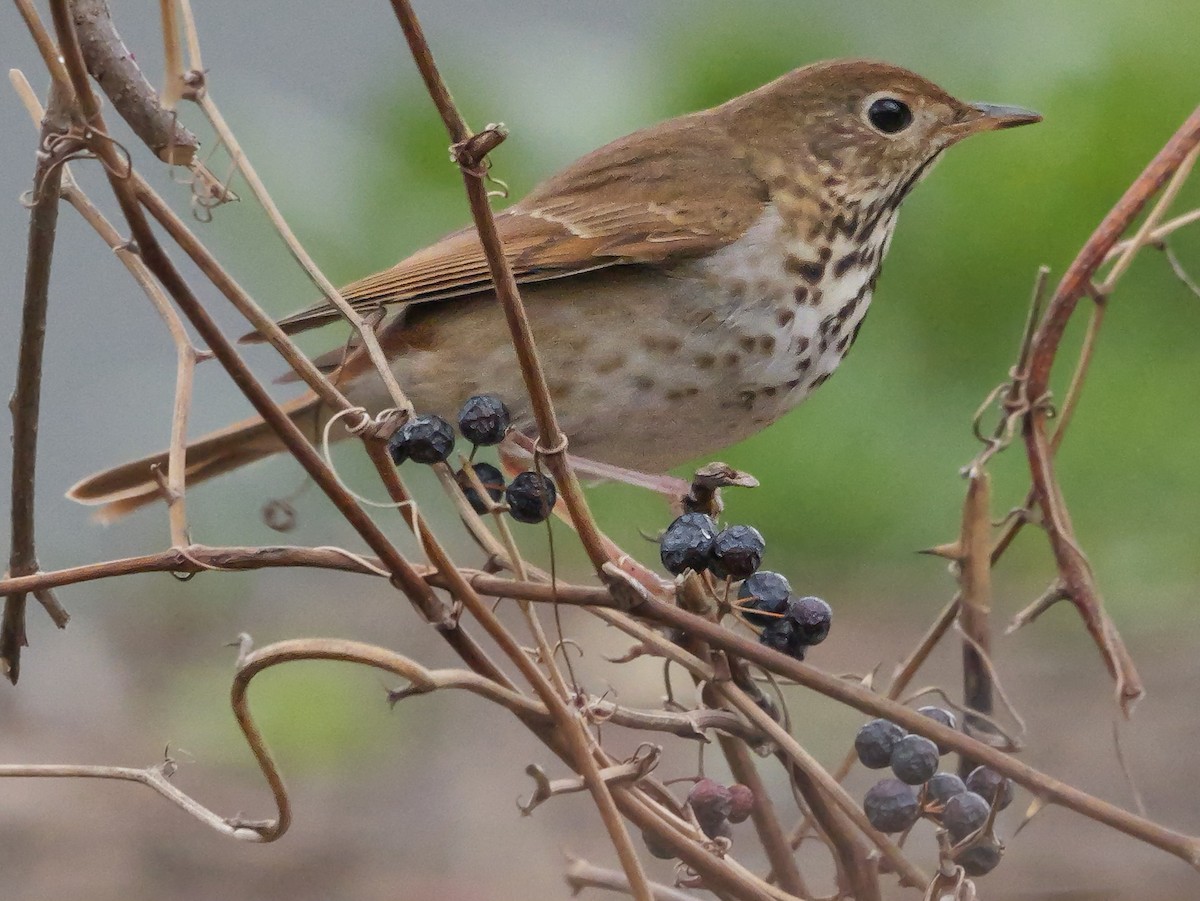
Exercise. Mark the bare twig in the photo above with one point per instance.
(975, 589)
(155, 777)
(469, 153)
(582, 875)
(1074, 571)
(115, 69)
(25, 402)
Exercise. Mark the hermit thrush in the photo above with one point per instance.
(687, 285)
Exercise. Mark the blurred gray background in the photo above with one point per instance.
(418, 803)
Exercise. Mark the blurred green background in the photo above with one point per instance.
(328, 105)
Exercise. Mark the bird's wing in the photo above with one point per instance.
(652, 198)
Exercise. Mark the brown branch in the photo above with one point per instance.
(974, 611)
(403, 575)
(582, 875)
(765, 816)
(467, 151)
(1073, 568)
(133, 97)
(25, 403)
(858, 876)
(1047, 788)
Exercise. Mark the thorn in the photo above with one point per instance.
(952, 551)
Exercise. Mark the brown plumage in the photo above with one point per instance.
(687, 284)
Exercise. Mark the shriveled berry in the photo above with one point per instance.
(941, 787)
(914, 759)
(656, 846)
(891, 806)
(483, 419)
(765, 591)
(783, 636)
(997, 790)
(943, 716)
(813, 617)
(424, 438)
(737, 552)
(490, 477)
(712, 803)
(981, 858)
(530, 497)
(687, 543)
(875, 741)
(742, 802)
(964, 814)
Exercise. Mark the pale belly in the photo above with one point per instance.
(647, 368)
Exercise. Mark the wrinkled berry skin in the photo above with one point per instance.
(964, 814)
(424, 438)
(531, 497)
(813, 617)
(943, 716)
(492, 480)
(687, 543)
(891, 806)
(742, 805)
(784, 636)
(980, 859)
(991, 786)
(483, 420)
(914, 759)
(765, 591)
(737, 552)
(941, 787)
(712, 803)
(656, 846)
(875, 741)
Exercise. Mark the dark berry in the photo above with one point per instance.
(737, 552)
(765, 591)
(531, 497)
(687, 543)
(891, 806)
(742, 802)
(980, 859)
(914, 759)
(875, 741)
(941, 787)
(492, 480)
(483, 419)
(991, 786)
(964, 814)
(656, 846)
(812, 617)
(718, 829)
(943, 716)
(424, 438)
(712, 803)
(783, 635)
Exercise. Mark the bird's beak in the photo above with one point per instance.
(991, 116)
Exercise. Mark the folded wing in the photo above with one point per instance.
(650, 198)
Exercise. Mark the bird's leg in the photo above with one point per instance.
(669, 486)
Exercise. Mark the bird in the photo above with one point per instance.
(687, 285)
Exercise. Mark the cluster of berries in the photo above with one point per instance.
(715, 807)
(918, 790)
(483, 421)
(789, 624)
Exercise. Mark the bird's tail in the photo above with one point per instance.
(125, 488)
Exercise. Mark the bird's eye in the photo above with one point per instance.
(889, 115)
